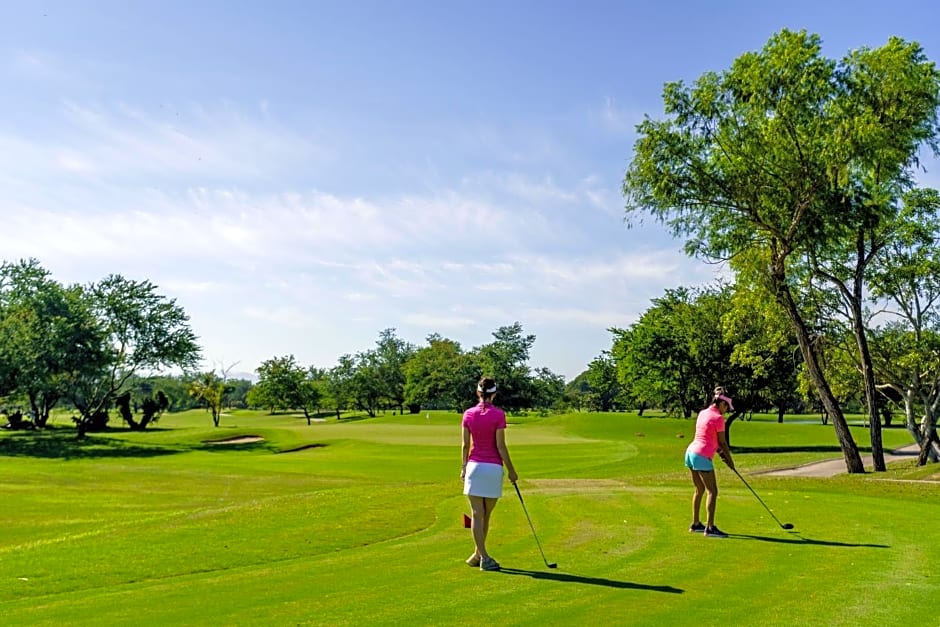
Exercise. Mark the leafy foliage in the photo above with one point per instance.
(784, 154)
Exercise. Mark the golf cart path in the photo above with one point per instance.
(833, 467)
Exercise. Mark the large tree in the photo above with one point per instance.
(653, 359)
(438, 375)
(392, 353)
(367, 384)
(49, 337)
(906, 351)
(506, 359)
(548, 389)
(144, 332)
(209, 390)
(676, 354)
(764, 347)
(280, 384)
(771, 159)
(340, 383)
(603, 385)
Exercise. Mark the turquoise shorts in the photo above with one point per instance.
(694, 461)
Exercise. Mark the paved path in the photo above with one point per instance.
(833, 467)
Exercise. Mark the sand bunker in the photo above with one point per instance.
(244, 439)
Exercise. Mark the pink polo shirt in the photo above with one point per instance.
(483, 421)
(708, 425)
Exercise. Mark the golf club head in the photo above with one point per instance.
(787, 525)
(553, 565)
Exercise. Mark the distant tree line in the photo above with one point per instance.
(93, 349)
(103, 339)
(397, 376)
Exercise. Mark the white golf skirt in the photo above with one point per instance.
(483, 479)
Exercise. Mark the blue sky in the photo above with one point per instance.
(303, 175)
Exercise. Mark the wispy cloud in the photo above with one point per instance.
(35, 65)
(177, 140)
(615, 118)
(205, 207)
(441, 322)
(174, 145)
(283, 316)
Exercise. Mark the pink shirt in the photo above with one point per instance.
(483, 421)
(708, 425)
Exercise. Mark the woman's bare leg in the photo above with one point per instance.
(697, 497)
(711, 487)
(478, 524)
(490, 505)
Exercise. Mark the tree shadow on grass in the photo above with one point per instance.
(801, 540)
(592, 581)
(302, 447)
(799, 449)
(353, 418)
(57, 446)
(786, 449)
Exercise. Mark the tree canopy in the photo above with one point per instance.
(786, 153)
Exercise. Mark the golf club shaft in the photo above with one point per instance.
(782, 526)
(531, 526)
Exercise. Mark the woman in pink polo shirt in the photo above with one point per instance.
(484, 454)
(709, 439)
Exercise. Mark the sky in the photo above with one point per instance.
(300, 176)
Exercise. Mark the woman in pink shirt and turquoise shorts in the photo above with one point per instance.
(709, 439)
(484, 453)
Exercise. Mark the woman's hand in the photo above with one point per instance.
(513, 477)
(726, 458)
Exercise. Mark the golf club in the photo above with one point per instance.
(531, 526)
(782, 525)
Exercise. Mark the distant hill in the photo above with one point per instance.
(249, 376)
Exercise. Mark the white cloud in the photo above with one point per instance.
(183, 286)
(515, 145)
(266, 266)
(582, 316)
(285, 316)
(35, 65)
(126, 144)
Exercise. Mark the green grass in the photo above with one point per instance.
(359, 522)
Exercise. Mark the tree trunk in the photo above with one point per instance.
(871, 401)
(728, 428)
(868, 376)
(927, 440)
(853, 461)
(41, 411)
(780, 409)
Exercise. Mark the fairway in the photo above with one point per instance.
(359, 522)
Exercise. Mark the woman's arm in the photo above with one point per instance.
(504, 453)
(724, 450)
(465, 452)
